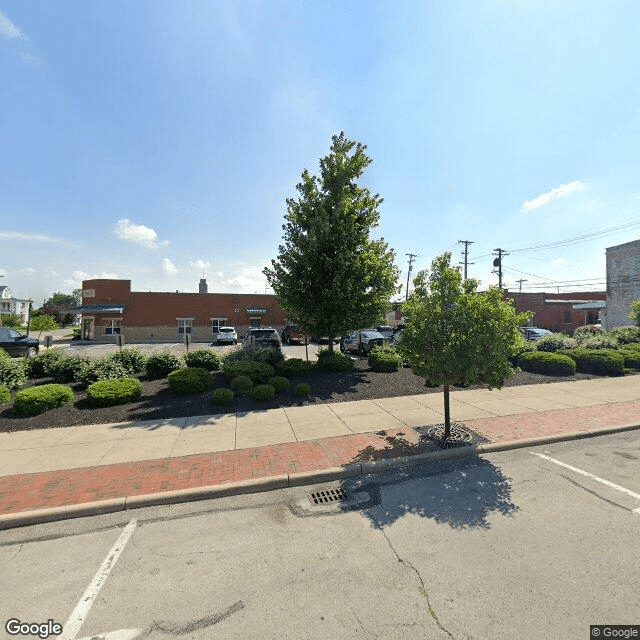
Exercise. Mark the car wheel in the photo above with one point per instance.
(31, 352)
(362, 350)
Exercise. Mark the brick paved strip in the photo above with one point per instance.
(29, 492)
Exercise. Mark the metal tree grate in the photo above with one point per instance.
(331, 495)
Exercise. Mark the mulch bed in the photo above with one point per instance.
(158, 402)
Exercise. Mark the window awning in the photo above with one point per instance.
(98, 308)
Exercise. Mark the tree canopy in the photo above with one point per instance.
(455, 335)
(329, 275)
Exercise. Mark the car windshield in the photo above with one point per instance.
(371, 335)
(262, 333)
(226, 329)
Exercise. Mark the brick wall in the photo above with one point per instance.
(623, 283)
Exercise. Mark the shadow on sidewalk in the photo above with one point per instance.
(462, 493)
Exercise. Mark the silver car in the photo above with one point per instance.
(225, 334)
(361, 342)
(534, 333)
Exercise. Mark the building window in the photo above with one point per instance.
(184, 325)
(567, 317)
(254, 322)
(111, 327)
(216, 323)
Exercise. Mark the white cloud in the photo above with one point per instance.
(138, 234)
(200, 265)
(559, 192)
(33, 237)
(31, 59)
(559, 263)
(8, 29)
(169, 267)
(75, 281)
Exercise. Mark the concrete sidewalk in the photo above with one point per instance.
(51, 473)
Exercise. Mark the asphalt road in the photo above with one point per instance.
(503, 546)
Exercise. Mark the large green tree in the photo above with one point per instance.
(455, 335)
(58, 305)
(330, 276)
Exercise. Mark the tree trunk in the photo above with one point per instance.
(330, 345)
(447, 417)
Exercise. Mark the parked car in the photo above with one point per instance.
(361, 342)
(321, 339)
(225, 334)
(291, 333)
(397, 332)
(386, 332)
(16, 344)
(534, 333)
(263, 337)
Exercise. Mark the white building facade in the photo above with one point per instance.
(11, 304)
(623, 284)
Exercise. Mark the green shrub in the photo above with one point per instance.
(631, 358)
(270, 355)
(75, 333)
(5, 356)
(586, 331)
(555, 342)
(5, 394)
(223, 396)
(604, 362)
(337, 362)
(160, 365)
(203, 359)
(552, 364)
(303, 389)
(131, 358)
(38, 399)
(259, 372)
(626, 335)
(279, 383)
(242, 385)
(602, 341)
(68, 368)
(107, 393)
(245, 352)
(105, 368)
(12, 374)
(264, 392)
(190, 380)
(40, 366)
(384, 359)
(294, 367)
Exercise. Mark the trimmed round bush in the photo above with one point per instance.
(242, 385)
(5, 394)
(294, 367)
(190, 380)
(336, 362)
(160, 365)
(40, 365)
(203, 359)
(603, 362)
(384, 360)
(259, 372)
(270, 355)
(223, 396)
(552, 364)
(108, 393)
(555, 342)
(279, 383)
(303, 389)
(602, 341)
(101, 369)
(68, 368)
(264, 392)
(38, 399)
(631, 358)
(131, 358)
(12, 373)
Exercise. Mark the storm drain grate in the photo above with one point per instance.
(331, 495)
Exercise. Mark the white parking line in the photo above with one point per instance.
(590, 475)
(79, 614)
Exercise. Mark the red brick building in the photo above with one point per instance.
(560, 312)
(109, 308)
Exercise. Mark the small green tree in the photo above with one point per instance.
(329, 275)
(634, 314)
(13, 320)
(454, 334)
(42, 323)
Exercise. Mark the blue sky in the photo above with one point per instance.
(157, 141)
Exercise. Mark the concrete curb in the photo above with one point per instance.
(41, 516)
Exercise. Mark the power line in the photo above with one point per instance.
(465, 254)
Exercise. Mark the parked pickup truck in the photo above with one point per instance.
(291, 333)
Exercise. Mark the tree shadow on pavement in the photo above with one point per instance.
(460, 492)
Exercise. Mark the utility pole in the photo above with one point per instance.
(411, 257)
(498, 263)
(465, 253)
(521, 281)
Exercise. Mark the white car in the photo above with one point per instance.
(225, 334)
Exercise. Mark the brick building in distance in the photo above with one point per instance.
(110, 308)
(560, 312)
